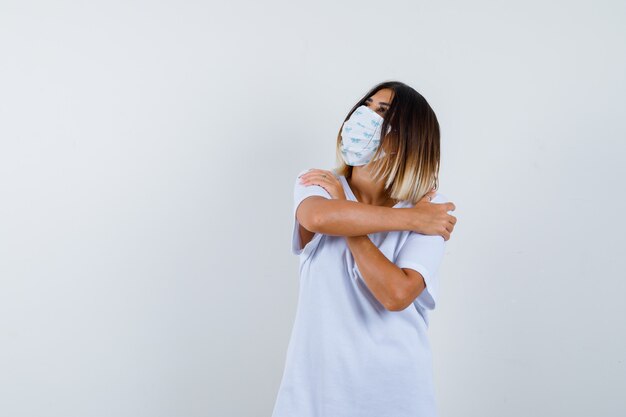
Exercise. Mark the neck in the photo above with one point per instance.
(366, 190)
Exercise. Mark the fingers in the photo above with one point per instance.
(449, 228)
(318, 177)
(317, 173)
(429, 195)
(323, 178)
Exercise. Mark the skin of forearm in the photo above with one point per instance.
(351, 218)
(387, 282)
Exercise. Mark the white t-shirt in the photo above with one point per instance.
(348, 356)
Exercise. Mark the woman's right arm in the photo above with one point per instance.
(351, 218)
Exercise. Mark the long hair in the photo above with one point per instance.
(410, 167)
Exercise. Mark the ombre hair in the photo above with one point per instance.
(410, 166)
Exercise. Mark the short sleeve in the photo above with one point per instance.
(424, 253)
(300, 192)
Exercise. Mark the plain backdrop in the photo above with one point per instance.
(148, 152)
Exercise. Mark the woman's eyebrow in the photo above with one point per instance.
(380, 102)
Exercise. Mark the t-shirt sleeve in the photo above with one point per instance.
(300, 192)
(424, 253)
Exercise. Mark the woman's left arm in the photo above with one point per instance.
(394, 287)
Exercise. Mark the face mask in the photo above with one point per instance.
(360, 136)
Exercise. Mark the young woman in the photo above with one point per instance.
(370, 242)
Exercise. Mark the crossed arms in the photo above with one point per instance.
(395, 288)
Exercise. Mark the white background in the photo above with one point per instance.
(148, 152)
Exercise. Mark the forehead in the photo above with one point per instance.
(384, 94)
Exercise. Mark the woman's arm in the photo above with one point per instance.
(351, 218)
(394, 287)
(414, 270)
(341, 217)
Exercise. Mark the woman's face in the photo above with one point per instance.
(380, 101)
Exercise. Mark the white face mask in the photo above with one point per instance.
(360, 136)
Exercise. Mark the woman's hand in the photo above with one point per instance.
(433, 218)
(326, 180)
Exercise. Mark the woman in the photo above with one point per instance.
(370, 244)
